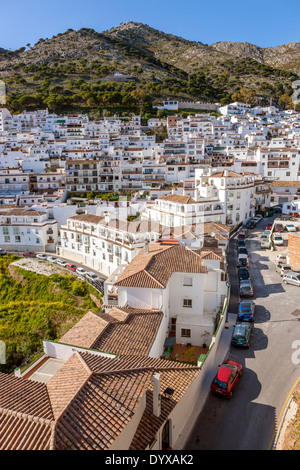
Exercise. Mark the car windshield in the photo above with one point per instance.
(246, 306)
(220, 384)
(244, 275)
(240, 330)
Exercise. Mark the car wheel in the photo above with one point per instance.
(230, 395)
(284, 282)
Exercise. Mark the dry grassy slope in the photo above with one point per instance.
(285, 57)
(72, 46)
(184, 54)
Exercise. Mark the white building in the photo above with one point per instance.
(102, 242)
(236, 192)
(188, 286)
(24, 229)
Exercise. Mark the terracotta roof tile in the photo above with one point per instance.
(153, 269)
(134, 335)
(178, 198)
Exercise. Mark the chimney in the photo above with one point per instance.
(156, 394)
(146, 246)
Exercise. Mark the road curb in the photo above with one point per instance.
(283, 416)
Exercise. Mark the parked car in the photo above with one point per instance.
(242, 260)
(51, 259)
(283, 269)
(277, 209)
(265, 243)
(292, 278)
(269, 226)
(267, 232)
(278, 228)
(264, 236)
(62, 263)
(241, 335)
(81, 271)
(29, 254)
(244, 274)
(246, 288)
(281, 258)
(278, 240)
(241, 243)
(242, 250)
(41, 256)
(241, 236)
(244, 231)
(71, 267)
(226, 378)
(3, 252)
(291, 228)
(246, 310)
(251, 224)
(92, 277)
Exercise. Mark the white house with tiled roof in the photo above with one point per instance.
(188, 286)
(177, 210)
(236, 192)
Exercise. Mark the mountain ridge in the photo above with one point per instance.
(70, 69)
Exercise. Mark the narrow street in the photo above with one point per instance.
(248, 421)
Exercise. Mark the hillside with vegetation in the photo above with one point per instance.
(34, 307)
(75, 71)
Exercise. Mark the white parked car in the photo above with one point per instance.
(265, 243)
(290, 228)
(281, 258)
(92, 277)
(277, 239)
(51, 259)
(292, 278)
(41, 256)
(81, 271)
(62, 263)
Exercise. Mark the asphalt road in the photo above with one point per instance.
(248, 421)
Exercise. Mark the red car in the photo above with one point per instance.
(278, 228)
(269, 227)
(226, 379)
(31, 254)
(71, 267)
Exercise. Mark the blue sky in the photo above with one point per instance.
(262, 22)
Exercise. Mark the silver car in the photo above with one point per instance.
(292, 278)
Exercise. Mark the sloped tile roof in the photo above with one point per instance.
(24, 396)
(178, 198)
(64, 385)
(24, 432)
(85, 332)
(134, 335)
(177, 379)
(101, 410)
(93, 399)
(153, 269)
